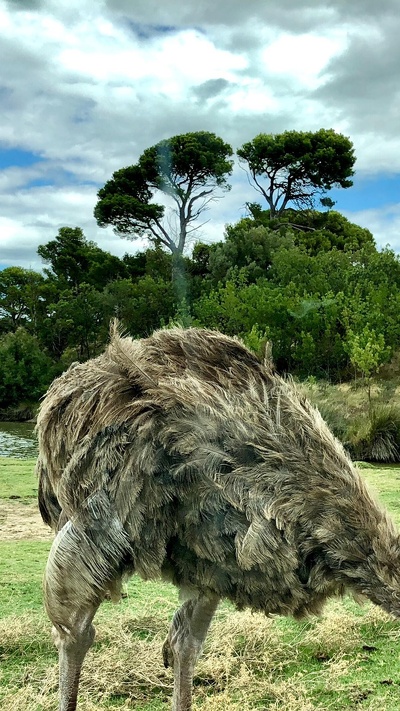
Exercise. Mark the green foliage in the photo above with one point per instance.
(78, 320)
(25, 370)
(367, 350)
(73, 260)
(297, 165)
(313, 231)
(199, 269)
(191, 159)
(313, 283)
(246, 248)
(142, 306)
(22, 296)
(257, 340)
(236, 306)
(187, 168)
(307, 302)
(124, 203)
(328, 202)
(66, 313)
(324, 231)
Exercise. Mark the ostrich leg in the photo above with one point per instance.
(183, 645)
(72, 647)
(71, 601)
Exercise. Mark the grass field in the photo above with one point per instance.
(348, 659)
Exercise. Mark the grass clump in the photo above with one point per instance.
(368, 428)
(377, 437)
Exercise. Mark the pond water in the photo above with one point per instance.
(17, 439)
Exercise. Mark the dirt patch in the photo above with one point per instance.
(20, 521)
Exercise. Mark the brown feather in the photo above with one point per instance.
(182, 455)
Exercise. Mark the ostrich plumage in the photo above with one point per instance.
(182, 456)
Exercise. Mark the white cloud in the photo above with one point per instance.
(32, 217)
(303, 57)
(88, 86)
(384, 223)
(374, 157)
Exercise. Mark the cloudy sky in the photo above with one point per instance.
(87, 85)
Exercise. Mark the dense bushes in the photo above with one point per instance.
(25, 372)
(313, 285)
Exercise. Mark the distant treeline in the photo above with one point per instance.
(313, 285)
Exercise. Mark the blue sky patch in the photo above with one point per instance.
(368, 193)
(17, 158)
(62, 179)
(146, 31)
(39, 183)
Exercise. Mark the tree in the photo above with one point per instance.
(74, 260)
(246, 248)
(22, 297)
(142, 306)
(316, 231)
(367, 351)
(298, 165)
(187, 169)
(25, 370)
(328, 203)
(78, 321)
(67, 256)
(323, 231)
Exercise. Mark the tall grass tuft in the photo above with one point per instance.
(377, 439)
(369, 430)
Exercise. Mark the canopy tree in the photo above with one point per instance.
(25, 369)
(316, 231)
(22, 298)
(74, 260)
(295, 166)
(187, 169)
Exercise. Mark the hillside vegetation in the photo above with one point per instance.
(311, 284)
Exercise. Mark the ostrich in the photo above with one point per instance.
(182, 456)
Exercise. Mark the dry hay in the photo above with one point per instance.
(19, 632)
(251, 666)
(240, 641)
(337, 632)
(20, 521)
(247, 662)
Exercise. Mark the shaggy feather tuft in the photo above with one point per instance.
(182, 455)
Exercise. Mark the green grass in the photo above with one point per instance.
(348, 659)
(17, 479)
(21, 574)
(385, 482)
